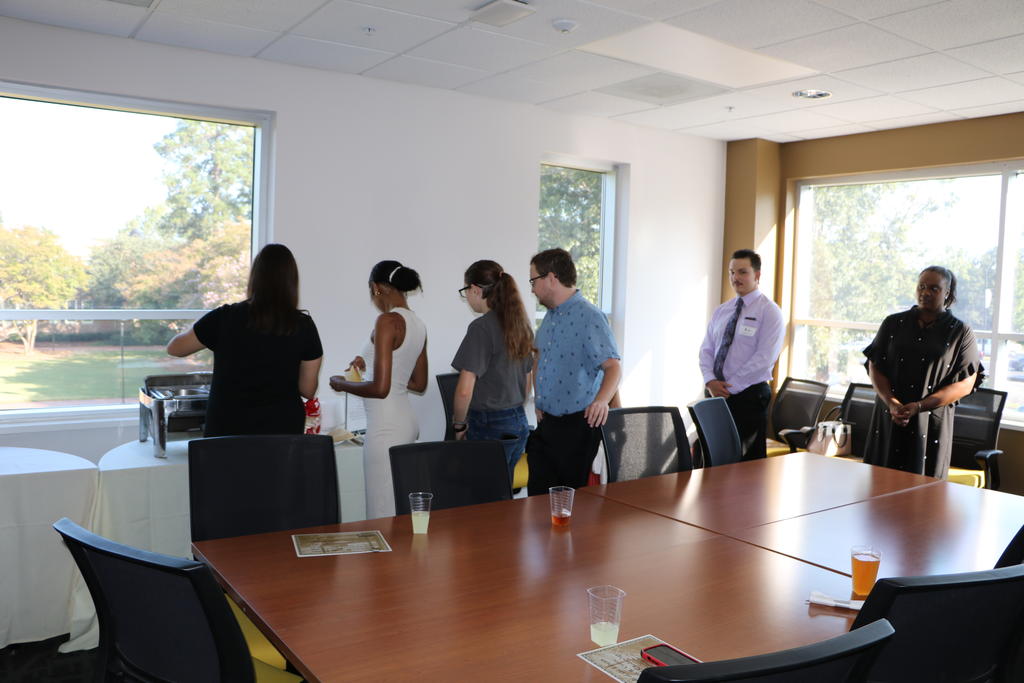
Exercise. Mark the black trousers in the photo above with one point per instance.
(749, 410)
(560, 451)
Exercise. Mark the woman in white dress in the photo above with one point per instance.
(396, 357)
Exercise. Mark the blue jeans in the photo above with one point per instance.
(508, 426)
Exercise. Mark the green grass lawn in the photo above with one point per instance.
(82, 372)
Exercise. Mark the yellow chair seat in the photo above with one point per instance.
(259, 647)
(268, 674)
(959, 475)
(522, 473)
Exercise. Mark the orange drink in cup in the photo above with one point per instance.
(864, 561)
(561, 505)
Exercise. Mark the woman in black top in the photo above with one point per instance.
(266, 352)
(921, 362)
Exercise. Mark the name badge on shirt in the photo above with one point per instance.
(747, 330)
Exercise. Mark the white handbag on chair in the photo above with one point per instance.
(831, 438)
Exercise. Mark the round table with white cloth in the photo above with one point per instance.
(37, 488)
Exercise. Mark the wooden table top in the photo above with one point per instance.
(494, 592)
(727, 498)
(940, 529)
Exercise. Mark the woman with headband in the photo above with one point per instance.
(495, 362)
(396, 357)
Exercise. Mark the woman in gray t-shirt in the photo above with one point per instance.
(495, 362)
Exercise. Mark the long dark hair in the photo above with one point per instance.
(502, 297)
(273, 291)
(395, 274)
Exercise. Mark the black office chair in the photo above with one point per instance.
(795, 406)
(843, 659)
(956, 628)
(1014, 553)
(446, 386)
(719, 440)
(975, 460)
(456, 472)
(242, 485)
(643, 442)
(161, 618)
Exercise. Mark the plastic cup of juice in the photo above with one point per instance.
(864, 561)
(605, 614)
(561, 505)
(419, 505)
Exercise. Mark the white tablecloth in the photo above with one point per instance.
(37, 488)
(142, 501)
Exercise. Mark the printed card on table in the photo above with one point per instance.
(340, 543)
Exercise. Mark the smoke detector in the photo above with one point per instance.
(564, 25)
(812, 94)
(502, 12)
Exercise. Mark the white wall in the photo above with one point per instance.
(367, 170)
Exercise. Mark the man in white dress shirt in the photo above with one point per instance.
(743, 341)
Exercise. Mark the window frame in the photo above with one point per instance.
(1001, 310)
(611, 189)
(263, 158)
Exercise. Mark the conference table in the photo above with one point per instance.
(494, 592)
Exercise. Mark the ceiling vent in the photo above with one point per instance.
(662, 89)
(502, 12)
(135, 3)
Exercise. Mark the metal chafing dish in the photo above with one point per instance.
(172, 403)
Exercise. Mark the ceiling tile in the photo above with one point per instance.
(509, 87)
(269, 15)
(999, 56)
(593, 22)
(919, 120)
(874, 108)
(971, 94)
(676, 50)
(596, 104)
(721, 108)
(1016, 77)
(782, 93)
(447, 10)
(485, 50)
(653, 9)
(346, 22)
(870, 9)
(580, 71)
(662, 89)
(792, 121)
(833, 131)
(845, 48)
(186, 31)
(958, 22)
(425, 72)
(733, 130)
(1014, 107)
(322, 54)
(756, 23)
(98, 16)
(913, 73)
(781, 137)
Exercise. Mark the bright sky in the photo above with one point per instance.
(82, 173)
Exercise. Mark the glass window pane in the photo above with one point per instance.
(830, 354)
(570, 218)
(1015, 251)
(119, 210)
(100, 362)
(1010, 378)
(860, 247)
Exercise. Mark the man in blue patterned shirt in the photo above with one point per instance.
(576, 374)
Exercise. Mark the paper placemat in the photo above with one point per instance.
(340, 543)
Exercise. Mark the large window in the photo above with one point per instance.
(862, 242)
(577, 213)
(120, 224)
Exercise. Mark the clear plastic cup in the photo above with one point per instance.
(864, 561)
(605, 614)
(561, 505)
(419, 505)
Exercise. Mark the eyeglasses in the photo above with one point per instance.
(462, 292)
(534, 279)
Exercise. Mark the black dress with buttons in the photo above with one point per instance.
(918, 361)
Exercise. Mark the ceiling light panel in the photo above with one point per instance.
(675, 50)
(502, 12)
(662, 89)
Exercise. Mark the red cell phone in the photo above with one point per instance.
(666, 655)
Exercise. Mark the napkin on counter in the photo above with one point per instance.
(819, 598)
